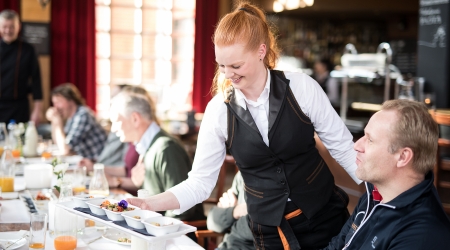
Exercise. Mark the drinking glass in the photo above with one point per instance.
(78, 180)
(7, 171)
(38, 230)
(65, 223)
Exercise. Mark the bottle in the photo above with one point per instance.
(99, 183)
(12, 126)
(31, 140)
(3, 137)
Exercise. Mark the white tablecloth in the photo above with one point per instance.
(14, 211)
(179, 243)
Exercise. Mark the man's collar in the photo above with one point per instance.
(242, 100)
(147, 138)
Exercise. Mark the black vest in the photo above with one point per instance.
(290, 167)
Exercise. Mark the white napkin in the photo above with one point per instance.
(19, 183)
(14, 211)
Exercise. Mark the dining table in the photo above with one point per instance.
(15, 225)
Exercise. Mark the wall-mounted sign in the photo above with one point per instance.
(38, 35)
(433, 48)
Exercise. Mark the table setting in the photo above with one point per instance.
(50, 188)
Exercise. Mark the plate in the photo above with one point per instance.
(10, 195)
(5, 243)
(112, 236)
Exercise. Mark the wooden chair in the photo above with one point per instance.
(442, 167)
(208, 239)
(220, 186)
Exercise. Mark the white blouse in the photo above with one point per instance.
(211, 148)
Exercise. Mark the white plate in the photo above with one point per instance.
(6, 243)
(112, 236)
(10, 195)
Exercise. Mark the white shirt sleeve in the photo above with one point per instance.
(327, 124)
(209, 156)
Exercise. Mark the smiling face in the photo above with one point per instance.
(9, 29)
(64, 107)
(241, 66)
(375, 163)
(122, 126)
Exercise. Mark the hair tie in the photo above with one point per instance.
(244, 9)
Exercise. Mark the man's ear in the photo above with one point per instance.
(135, 119)
(262, 50)
(405, 157)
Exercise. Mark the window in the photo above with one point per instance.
(148, 43)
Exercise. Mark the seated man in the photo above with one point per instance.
(230, 217)
(74, 127)
(163, 161)
(401, 209)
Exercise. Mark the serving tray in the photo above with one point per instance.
(184, 229)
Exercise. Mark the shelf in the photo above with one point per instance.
(184, 229)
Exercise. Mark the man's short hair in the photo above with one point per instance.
(415, 129)
(9, 15)
(135, 99)
(69, 92)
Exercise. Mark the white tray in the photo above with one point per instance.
(184, 229)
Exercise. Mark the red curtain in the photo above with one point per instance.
(73, 46)
(10, 4)
(206, 14)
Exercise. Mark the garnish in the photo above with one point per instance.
(123, 203)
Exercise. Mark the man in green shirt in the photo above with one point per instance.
(163, 161)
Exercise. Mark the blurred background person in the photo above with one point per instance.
(230, 217)
(118, 157)
(19, 73)
(75, 129)
(321, 73)
(163, 162)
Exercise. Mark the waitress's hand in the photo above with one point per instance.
(138, 202)
(228, 199)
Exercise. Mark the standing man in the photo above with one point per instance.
(401, 209)
(74, 127)
(19, 73)
(164, 162)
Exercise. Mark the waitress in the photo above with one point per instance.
(267, 119)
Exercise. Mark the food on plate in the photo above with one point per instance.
(42, 197)
(137, 217)
(124, 240)
(122, 206)
(159, 225)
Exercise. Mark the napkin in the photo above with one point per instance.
(14, 211)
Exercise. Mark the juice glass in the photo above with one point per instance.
(38, 230)
(7, 171)
(65, 223)
(65, 230)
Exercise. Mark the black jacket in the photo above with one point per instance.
(413, 220)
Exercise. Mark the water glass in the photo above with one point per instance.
(78, 182)
(38, 231)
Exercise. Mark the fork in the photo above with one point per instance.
(25, 235)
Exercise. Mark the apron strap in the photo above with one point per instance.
(287, 236)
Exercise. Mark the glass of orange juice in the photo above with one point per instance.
(38, 230)
(65, 234)
(7, 171)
